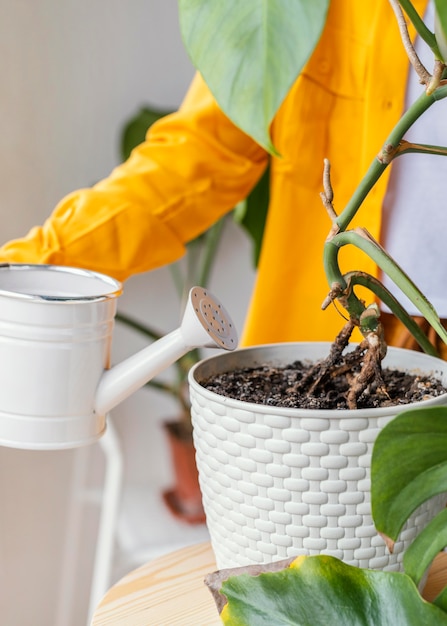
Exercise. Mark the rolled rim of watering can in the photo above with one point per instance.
(56, 283)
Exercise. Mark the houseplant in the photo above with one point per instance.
(184, 498)
(341, 285)
(281, 481)
(323, 590)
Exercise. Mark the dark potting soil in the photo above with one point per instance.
(276, 386)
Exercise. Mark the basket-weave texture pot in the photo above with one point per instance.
(281, 482)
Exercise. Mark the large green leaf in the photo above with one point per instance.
(250, 52)
(409, 465)
(322, 590)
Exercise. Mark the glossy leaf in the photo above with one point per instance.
(420, 554)
(250, 53)
(409, 465)
(322, 590)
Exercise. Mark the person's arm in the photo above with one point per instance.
(194, 166)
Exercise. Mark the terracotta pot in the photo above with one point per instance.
(184, 500)
(281, 482)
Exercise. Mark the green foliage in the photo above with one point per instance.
(134, 131)
(441, 27)
(251, 214)
(250, 53)
(321, 590)
(419, 25)
(340, 235)
(418, 440)
(425, 547)
(409, 466)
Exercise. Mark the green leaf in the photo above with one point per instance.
(252, 213)
(441, 600)
(408, 466)
(250, 53)
(321, 590)
(134, 132)
(441, 27)
(425, 547)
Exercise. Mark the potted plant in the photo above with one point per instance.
(341, 285)
(184, 499)
(279, 481)
(323, 590)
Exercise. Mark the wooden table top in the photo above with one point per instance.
(167, 591)
(170, 591)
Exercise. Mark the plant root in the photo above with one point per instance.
(370, 371)
(362, 366)
(323, 369)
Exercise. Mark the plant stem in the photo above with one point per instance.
(421, 148)
(386, 155)
(177, 278)
(376, 169)
(420, 69)
(374, 285)
(133, 323)
(339, 236)
(421, 29)
(213, 238)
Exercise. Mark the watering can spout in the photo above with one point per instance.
(205, 324)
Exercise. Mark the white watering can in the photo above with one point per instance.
(56, 328)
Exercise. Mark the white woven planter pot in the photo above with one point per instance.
(281, 482)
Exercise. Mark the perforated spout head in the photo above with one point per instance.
(206, 323)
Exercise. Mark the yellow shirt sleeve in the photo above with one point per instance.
(194, 166)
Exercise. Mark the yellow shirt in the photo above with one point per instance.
(195, 165)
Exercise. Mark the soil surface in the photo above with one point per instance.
(279, 386)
